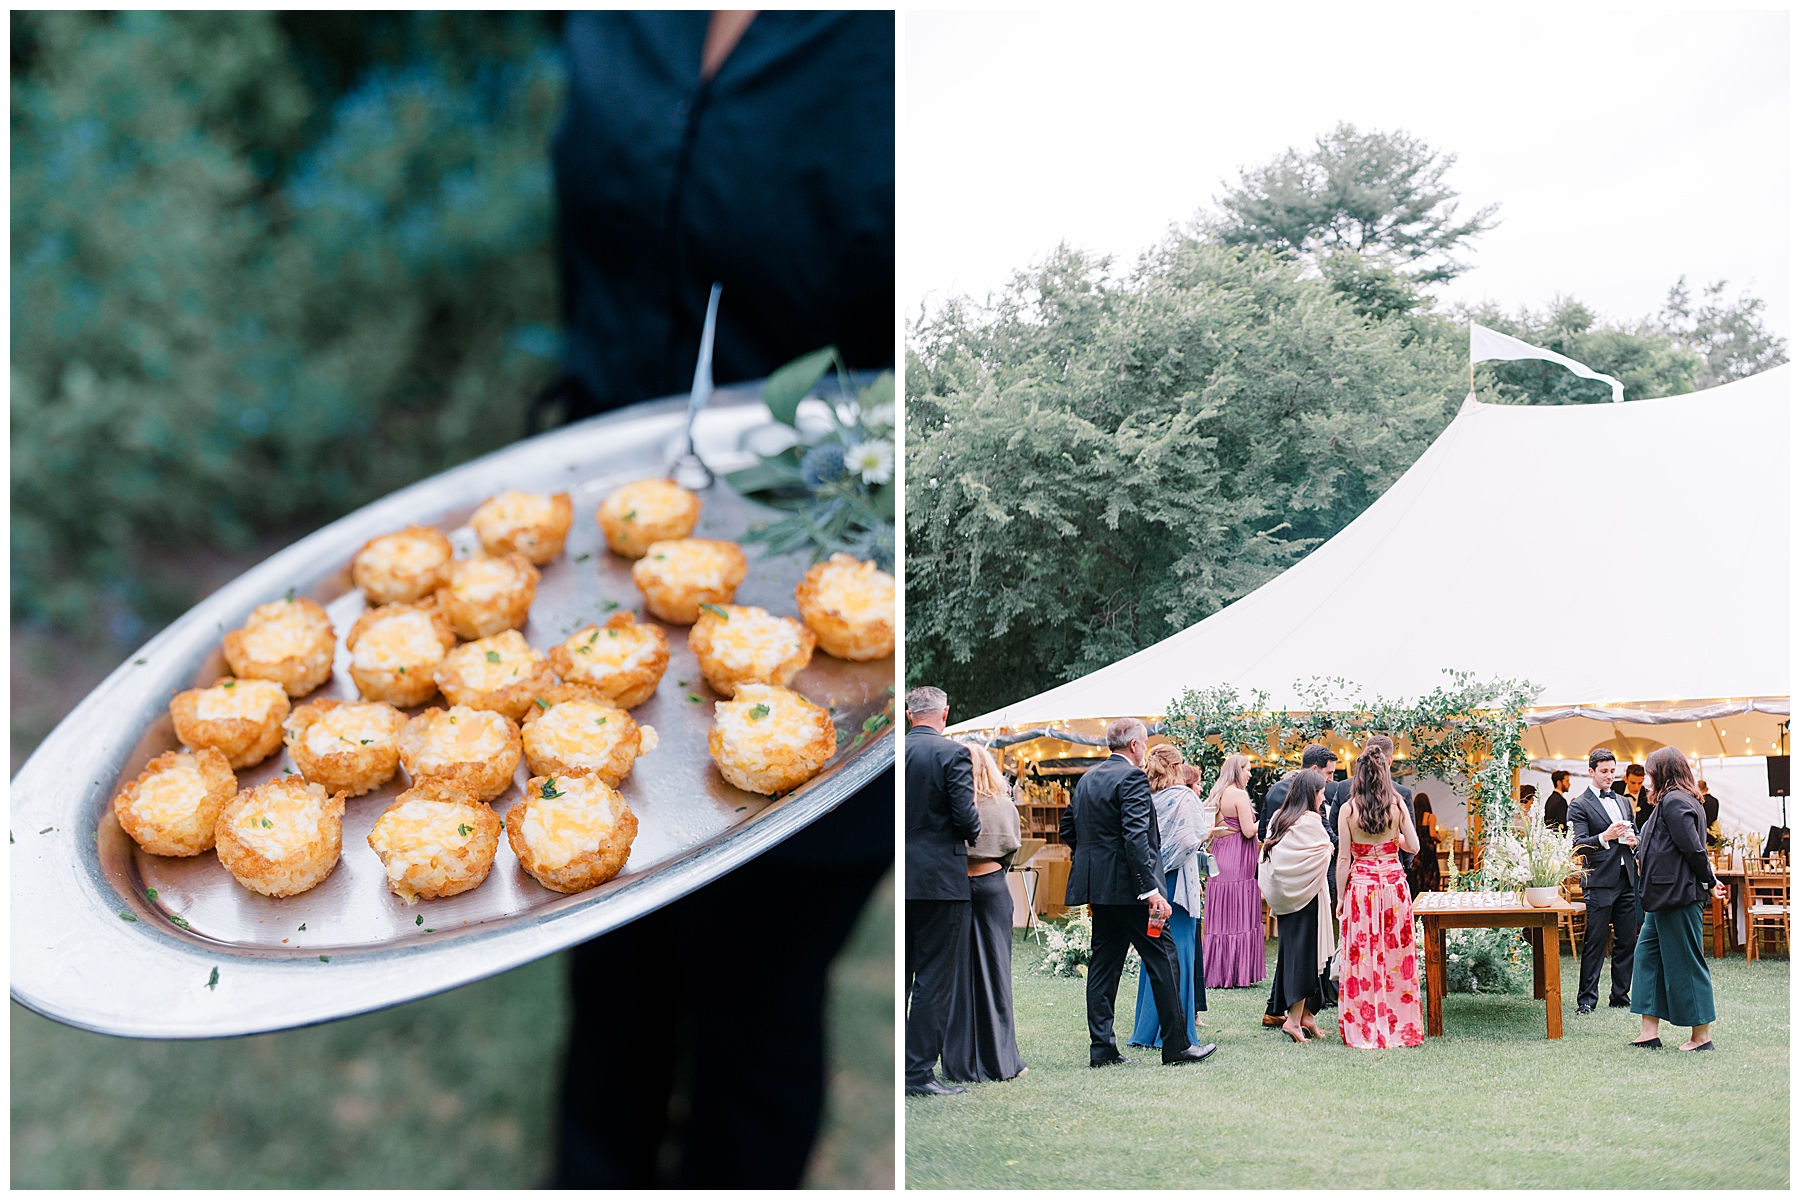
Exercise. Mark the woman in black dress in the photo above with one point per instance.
(1669, 979)
(1293, 876)
(980, 1043)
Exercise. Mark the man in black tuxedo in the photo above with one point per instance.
(1709, 804)
(1556, 805)
(941, 825)
(1110, 828)
(1605, 835)
(1635, 793)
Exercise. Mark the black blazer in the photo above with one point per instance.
(1556, 811)
(1672, 855)
(941, 823)
(1588, 819)
(1110, 828)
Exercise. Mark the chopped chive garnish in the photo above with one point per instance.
(716, 611)
(693, 698)
(402, 671)
(549, 791)
(290, 595)
(741, 807)
(581, 557)
(585, 649)
(303, 927)
(539, 701)
(660, 557)
(609, 606)
(212, 981)
(125, 916)
(419, 920)
(493, 656)
(842, 737)
(267, 824)
(139, 661)
(150, 895)
(599, 720)
(612, 633)
(630, 515)
(592, 636)
(464, 830)
(180, 922)
(324, 958)
(366, 741)
(229, 683)
(45, 829)
(759, 712)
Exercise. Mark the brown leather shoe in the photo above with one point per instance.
(1271, 1022)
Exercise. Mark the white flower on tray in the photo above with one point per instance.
(873, 460)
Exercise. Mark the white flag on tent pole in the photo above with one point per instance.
(1485, 344)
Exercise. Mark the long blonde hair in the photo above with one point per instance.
(989, 782)
(1234, 773)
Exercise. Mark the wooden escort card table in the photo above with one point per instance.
(1491, 910)
(1731, 915)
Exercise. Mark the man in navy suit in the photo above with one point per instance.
(941, 824)
(1110, 828)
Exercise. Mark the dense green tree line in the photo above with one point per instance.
(265, 268)
(1096, 460)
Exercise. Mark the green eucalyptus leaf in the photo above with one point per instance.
(788, 385)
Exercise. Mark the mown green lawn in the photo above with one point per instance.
(454, 1091)
(1490, 1104)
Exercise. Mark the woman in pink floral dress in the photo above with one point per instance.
(1378, 992)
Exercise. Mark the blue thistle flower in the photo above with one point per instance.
(822, 464)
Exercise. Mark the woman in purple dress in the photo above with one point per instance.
(1232, 932)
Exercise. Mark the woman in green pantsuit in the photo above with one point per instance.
(1669, 979)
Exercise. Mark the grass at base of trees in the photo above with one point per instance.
(457, 1090)
(1493, 1103)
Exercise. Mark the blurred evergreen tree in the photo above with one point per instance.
(266, 268)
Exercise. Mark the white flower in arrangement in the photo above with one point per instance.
(881, 416)
(873, 460)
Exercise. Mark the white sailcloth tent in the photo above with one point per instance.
(1631, 560)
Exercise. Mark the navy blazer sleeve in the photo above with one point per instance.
(1136, 811)
(959, 783)
(1067, 825)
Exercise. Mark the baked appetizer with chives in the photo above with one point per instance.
(397, 568)
(527, 523)
(289, 641)
(850, 605)
(736, 644)
(650, 510)
(621, 660)
(394, 651)
(677, 577)
(240, 718)
(173, 804)
(571, 833)
(345, 746)
(770, 740)
(470, 748)
(435, 840)
(500, 673)
(486, 596)
(570, 731)
(282, 838)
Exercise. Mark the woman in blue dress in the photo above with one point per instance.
(1181, 821)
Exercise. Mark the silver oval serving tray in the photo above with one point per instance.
(108, 938)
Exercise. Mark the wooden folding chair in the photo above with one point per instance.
(1768, 905)
(1574, 922)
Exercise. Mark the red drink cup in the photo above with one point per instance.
(1156, 926)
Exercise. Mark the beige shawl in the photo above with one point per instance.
(1296, 872)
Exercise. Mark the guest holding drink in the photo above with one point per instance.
(1378, 994)
(1670, 981)
(1179, 820)
(980, 1043)
(1231, 937)
(1296, 865)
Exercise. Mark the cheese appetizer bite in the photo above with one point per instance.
(486, 596)
(345, 746)
(435, 840)
(770, 740)
(621, 660)
(283, 837)
(571, 833)
(736, 644)
(394, 651)
(569, 731)
(525, 523)
(678, 577)
(289, 641)
(240, 718)
(850, 605)
(470, 748)
(173, 804)
(397, 568)
(650, 510)
(500, 673)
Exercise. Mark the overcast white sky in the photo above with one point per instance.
(1624, 149)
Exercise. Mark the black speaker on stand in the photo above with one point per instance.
(1778, 779)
